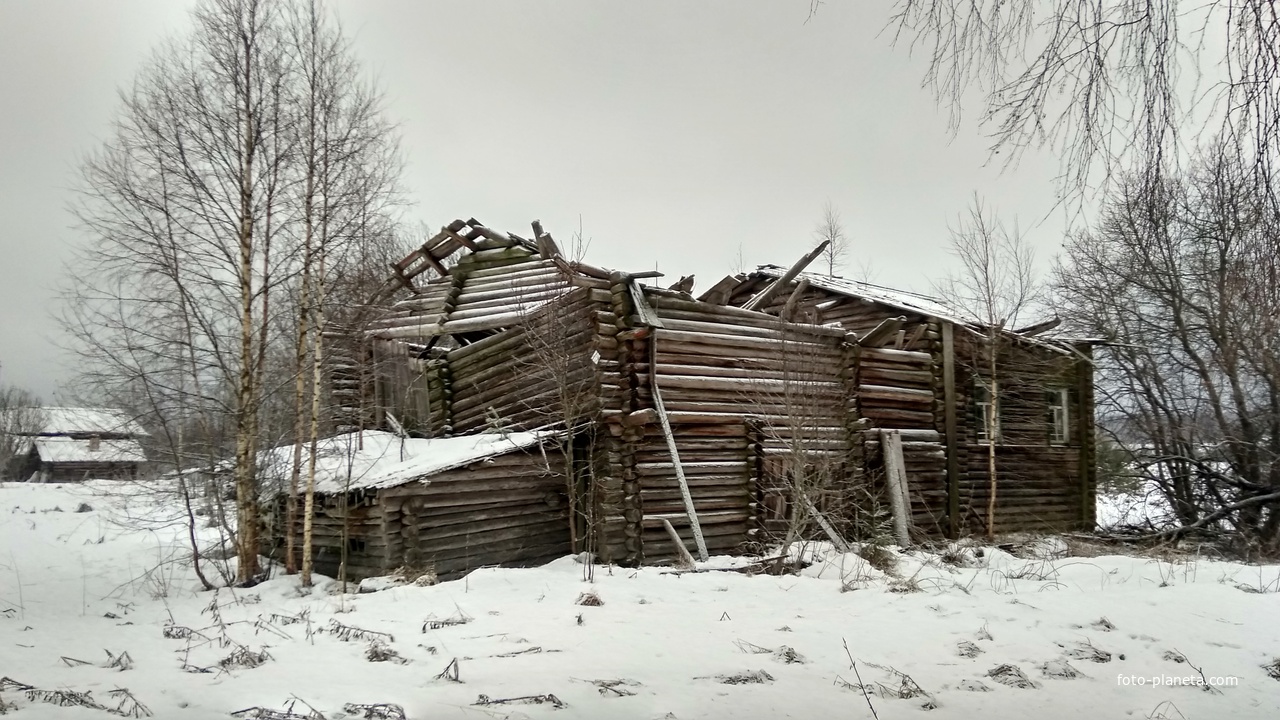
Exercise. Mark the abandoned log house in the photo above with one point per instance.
(686, 426)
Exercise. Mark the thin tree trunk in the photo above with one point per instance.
(993, 427)
(300, 366)
(246, 395)
(317, 357)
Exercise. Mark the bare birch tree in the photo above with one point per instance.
(1108, 85)
(20, 417)
(198, 208)
(831, 230)
(1184, 286)
(997, 286)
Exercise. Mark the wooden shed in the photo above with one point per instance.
(922, 369)
(449, 505)
(71, 444)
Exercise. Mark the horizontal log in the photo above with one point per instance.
(527, 303)
(896, 356)
(798, 388)
(532, 265)
(476, 542)
(432, 533)
(900, 394)
(794, 375)
(694, 310)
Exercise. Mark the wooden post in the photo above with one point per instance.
(1087, 465)
(896, 482)
(950, 429)
(671, 447)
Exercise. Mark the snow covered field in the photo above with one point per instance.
(932, 640)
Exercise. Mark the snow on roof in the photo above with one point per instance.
(901, 299)
(71, 450)
(88, 421)
(377, 459)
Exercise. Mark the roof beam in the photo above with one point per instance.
(776, 286)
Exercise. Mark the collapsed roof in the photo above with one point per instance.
(374, 459)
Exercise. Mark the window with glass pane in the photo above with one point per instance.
(986, 410)
(1059, 428)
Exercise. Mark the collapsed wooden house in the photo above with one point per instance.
(922, 369)
(708, 424)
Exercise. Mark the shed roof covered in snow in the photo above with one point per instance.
(86, 421)
(375, 459)
(56, 449)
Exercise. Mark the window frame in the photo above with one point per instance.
(985, 401)
(1058, 415)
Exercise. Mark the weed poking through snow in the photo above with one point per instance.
(243, 657)
(1060, 669)
(1012, 676)
(758, 677)
(1088, 651)
(375, 711)
(1103, 624)
(348, 633)
(452, 672)
(379, 651)
(614, 688)
(458, 618)
(485, 701)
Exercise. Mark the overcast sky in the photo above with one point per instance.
(680, 132)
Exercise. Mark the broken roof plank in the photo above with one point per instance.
(777, 285)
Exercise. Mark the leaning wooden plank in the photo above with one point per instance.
(675, 458)
(895, 481)
(643, 309)
(832, 535)
(685, 558)
(886, 329)
(761, 300)
(789, 309)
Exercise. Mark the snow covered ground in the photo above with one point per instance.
(1087, 637)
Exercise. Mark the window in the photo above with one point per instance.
(986, 410)
(1059, 426)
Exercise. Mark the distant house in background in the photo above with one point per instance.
(75, 444)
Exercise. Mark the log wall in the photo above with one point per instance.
(509, 510)
(1041, 487)
(899, 385)
(751, 400)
